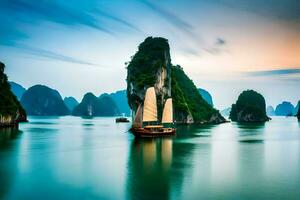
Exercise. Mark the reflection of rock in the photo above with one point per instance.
(7, 133)
(7, 169)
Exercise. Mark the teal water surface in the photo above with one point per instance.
(76, 158)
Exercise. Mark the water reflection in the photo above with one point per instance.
(250, 128)
(7, 134)
(149, 167)
(7, 169)
(85, 159)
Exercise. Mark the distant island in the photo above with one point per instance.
(298, 112)
(206, 96)
(226, 112)
(120, 98)
(11, 111)
(250, 107)
(151, 66)
(270, 111)
(17, 89)
(71, 103)
(43, 101)
(285, 109)
(93, 106)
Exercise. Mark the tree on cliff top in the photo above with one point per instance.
(151, 55)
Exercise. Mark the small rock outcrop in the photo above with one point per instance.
(285, 109)
(250, 107)
(71, 103)
(93, 106)
(151, 66)
(41, 100)
(11, 111)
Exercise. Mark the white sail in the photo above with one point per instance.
(150, 107)
(167, 116)
(137, 123)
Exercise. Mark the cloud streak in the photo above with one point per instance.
(284, 10)
(274, 72)
(28, 12)
(52, 55)
(170, 17)
(69, 14)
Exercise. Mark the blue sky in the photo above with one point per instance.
(225, 46)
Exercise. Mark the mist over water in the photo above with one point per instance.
(76, 158)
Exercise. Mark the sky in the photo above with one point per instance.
(225, 46)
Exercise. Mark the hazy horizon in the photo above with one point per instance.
(225, 46)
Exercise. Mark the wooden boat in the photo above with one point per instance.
(147, 113)
(122, 119)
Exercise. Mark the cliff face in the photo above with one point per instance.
(250, 107)
(43, 101)
(151, 66)
(11, 111)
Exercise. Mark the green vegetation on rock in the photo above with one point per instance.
(187, 99)
(151, 55)
(250, 107)
(11, 110)
(151, 66)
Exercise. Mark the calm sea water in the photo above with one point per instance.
(75, 158)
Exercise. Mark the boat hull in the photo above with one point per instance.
(162, 132)
(122, 120)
